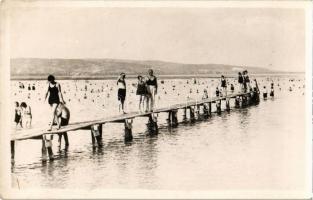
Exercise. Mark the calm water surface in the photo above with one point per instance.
(255, 148)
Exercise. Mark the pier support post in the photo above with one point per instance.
(227, 105)
(174, 118)
(153, 125)
(128, 130)
(96, 134)
(43, 150)
(210, 108)
(12, 144)
(205, 110)
(237, 102)
(185, 114)
(169, 118)
(192, 113)
(218, 107)
(243, 101)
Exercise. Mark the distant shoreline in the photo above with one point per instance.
(24, 78)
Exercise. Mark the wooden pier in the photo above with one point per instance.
(95, 126)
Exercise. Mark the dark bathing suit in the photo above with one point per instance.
(17, 117)
(224, 83)
(54, 95)
(141, 89)
(152, 82)
(121, 93)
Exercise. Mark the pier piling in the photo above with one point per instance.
(128, 130)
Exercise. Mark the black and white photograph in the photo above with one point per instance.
(154, 100)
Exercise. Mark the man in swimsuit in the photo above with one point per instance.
(121, 93)
(152, 88)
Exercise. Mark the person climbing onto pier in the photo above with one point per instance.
(121, 93)
(152, 88)
(55, 97)
(63, 117)
(26, 115)
(141, 92)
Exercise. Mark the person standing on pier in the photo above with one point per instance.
(141, 92)
(240, 81)
(246, 81)
(152, 88)
(55, 97)
(121, 93)
(223, 86)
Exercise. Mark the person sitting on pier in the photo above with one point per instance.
(18, 115)
(152, 88)
(55, 97)
(142, 92)
(121, 93)
(26, 115)
(63, 117)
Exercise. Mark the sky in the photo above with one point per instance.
(264, 37)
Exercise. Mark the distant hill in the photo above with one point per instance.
(97, 68)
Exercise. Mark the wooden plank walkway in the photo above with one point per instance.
(23, 134)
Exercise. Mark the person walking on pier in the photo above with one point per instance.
(142, 92)
(152, 88)
(63, 117)
(55, 97)
(121, 93)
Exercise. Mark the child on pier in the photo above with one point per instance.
(142, 92)
(26, 115)
(18, 115)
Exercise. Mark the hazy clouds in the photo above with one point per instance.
(265, 37)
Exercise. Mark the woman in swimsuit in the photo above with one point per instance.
(142, 92)
(55, 97)
(121, 93)
(152, 88)
(223, 86)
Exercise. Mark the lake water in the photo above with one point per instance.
(255, 148)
